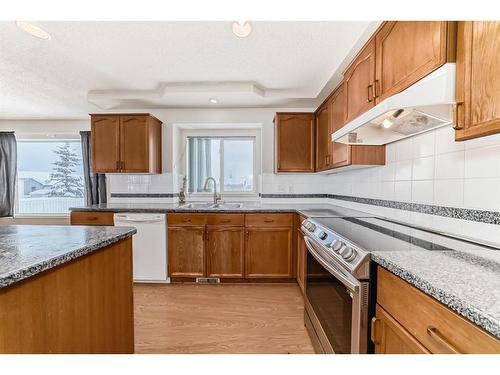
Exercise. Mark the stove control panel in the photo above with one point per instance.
(342, 249)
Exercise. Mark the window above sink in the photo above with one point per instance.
(231, 161)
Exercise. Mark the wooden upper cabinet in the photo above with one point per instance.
(478, 79)
(406, 51)
(129, 143)
(323, 136)
(340, 153)
(134, 141)
(294, 137)
(105, 136)
(359, 81)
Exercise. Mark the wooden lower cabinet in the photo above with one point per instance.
(427, 325)
(235, 247)
(269, 252)
(84, 306)
(91, 218)
(225, 251)
(390, 337)
(301, 259)
(186, 251)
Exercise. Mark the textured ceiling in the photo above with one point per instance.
(131, 61)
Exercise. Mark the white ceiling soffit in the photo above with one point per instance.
(180, 94)
(87, 66)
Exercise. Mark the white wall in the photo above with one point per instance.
(44, 127)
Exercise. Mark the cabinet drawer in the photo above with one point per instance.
(92, 218)
(434, 325)
(269, 219)
(226, 219)
(186, 219)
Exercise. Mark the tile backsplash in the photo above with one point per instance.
(430, 169)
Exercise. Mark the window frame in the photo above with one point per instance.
(234, 134)
(42, 138)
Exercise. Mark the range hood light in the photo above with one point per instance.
(425, 105)
(386, 124)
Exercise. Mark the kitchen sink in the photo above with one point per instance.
(197, 205)
(207, 205)
(227, 205)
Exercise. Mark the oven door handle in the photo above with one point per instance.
(352, 286)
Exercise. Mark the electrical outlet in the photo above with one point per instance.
(280, 188)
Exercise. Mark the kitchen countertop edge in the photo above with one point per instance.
(45, 265)
(464, 309)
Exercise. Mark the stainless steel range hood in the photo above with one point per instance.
(425, 105)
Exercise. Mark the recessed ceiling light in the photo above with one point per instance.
(33, 30)
(212, 100)
(242, 29)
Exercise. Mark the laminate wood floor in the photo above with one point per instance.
(227, 318)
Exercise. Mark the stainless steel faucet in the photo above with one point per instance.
(217, 197)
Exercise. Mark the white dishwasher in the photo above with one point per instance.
(149, 245)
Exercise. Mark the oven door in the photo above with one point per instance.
(336, 304)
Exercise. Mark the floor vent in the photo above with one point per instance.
(207, 280)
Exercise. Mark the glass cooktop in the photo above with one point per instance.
(376, 234)
(334, 211)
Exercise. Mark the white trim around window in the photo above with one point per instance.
(226, 134)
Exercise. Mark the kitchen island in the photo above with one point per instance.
(66, 289)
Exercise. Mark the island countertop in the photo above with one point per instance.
(26, 250)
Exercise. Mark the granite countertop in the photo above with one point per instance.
(468, 285)
(462, 275)
(305, 209)
(26, 250)
(174, 207)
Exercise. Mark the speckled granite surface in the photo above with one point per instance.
(304, 209)
(26, 250)
(174, 207)
(461, 275)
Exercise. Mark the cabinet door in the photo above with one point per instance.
(92, 218)
(134, 140)
(406, 52)
(478, 79)
(294, 142)
(341, 153)
(301, 256)
(359, 81)
(225, 251)
(390, 337)
(105, 132)
(323, 137)
(186, 251)
(269, 252)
